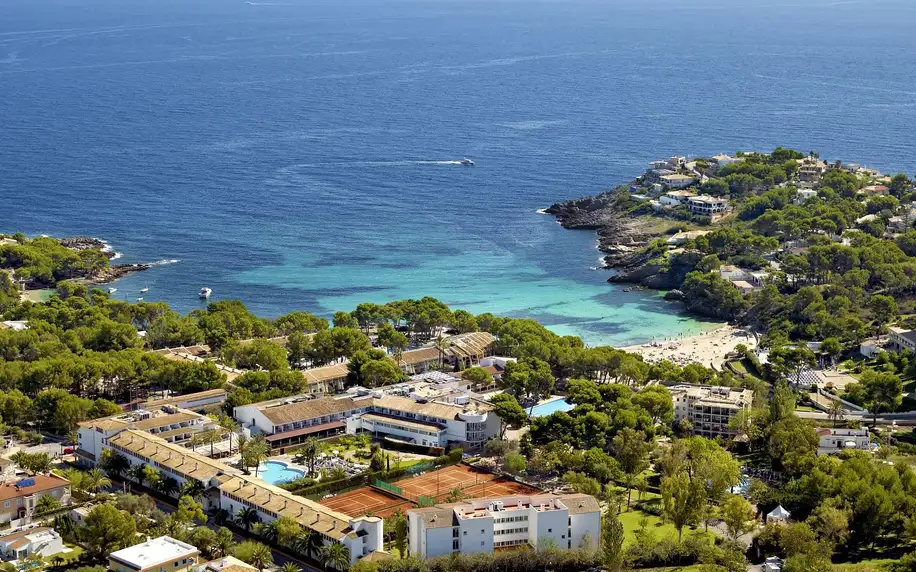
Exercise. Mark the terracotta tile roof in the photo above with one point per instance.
(187, 397)
(436, 517)
(308, 409)
(43, 483)
(307, 513)
(420, 355)
(163, 420)
(171, 456)
(326, 373)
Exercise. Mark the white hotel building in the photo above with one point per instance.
(380, 412)
(482, 525)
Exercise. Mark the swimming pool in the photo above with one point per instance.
(275, 472)
(552, 406)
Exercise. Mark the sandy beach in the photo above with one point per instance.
(708, 349)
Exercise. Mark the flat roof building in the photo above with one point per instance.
(482, 525)
(709, 408)
(163, 554)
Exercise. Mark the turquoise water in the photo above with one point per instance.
(302, 154)
(545, 409)
(275, 472)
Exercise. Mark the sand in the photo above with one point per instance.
(709, 349)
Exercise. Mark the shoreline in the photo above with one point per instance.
(708, 349)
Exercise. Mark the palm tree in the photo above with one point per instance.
(219, 515)
(138, 473)
(224, 542)
(310, 453)
(211, 437)
(290, 567)
(308, 543)
(270, 531)
(231, 425)
(835, 411)
(115, 463)
(96, 481)
(256, 451)
(169, 486)
(335, 555)
(261, 556)
(194, 489)
(247, 517)
(78, 480)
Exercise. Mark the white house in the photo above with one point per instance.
(482, 525)
(42, 541)
(722, 159)
(802, 195)
(677, 181)
(833, 441)
(730, 272)
(706, 205)
(155, 555)
(675, 198)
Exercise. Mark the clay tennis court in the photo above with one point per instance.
(365, 500)
(438, 483)
(498, 488)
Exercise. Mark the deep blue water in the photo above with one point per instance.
(295, 154)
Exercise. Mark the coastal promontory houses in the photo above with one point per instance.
(482, 525)
(709, 408)
(705, 205)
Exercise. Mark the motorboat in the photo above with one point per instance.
(112, 290)
(205, 293)
(467, 162)
(144, 290)
(139, 299)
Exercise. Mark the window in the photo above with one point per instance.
(465, 532)
(549, 530)
(454, 545)
(6, 504)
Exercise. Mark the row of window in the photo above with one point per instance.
(516, 542)
(404, 429)
(522, 518)
(510, 531)
(263, 510)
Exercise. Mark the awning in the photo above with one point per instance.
(305, 431)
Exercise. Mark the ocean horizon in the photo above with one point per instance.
(305, 155)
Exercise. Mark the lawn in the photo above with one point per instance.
(875, 565)
(631, 521)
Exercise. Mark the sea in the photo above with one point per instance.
(304, 154)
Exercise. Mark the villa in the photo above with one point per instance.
(41, 541)
(705, 205)
(677, 181)
(155, 555)
(901, 339)
(19, 498)
(832, 441)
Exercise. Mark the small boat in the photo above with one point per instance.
(144, 290)
(467, 162)
(139, 299)
(205, 293)
(112, 290)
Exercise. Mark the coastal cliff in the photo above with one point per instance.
(623, 233)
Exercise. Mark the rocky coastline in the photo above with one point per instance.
(622, 237)
(105, 275)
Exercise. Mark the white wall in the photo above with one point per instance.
(585, 524)
(548, 525)
(251, 417)
(476, 535)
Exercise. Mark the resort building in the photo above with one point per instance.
(900, 339)
(169, 422)
(482, 525)
(163, 554)
(832, 441)
(41, 541)
(709, 408)
(192, 401)
(327, 379)
(403, 411)
(173, 461)
(18, 499)
(705, 205)
(459, 352)
(362, 535)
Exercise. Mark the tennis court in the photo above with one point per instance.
(439, 483)
(499, 488)
(365, 500)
